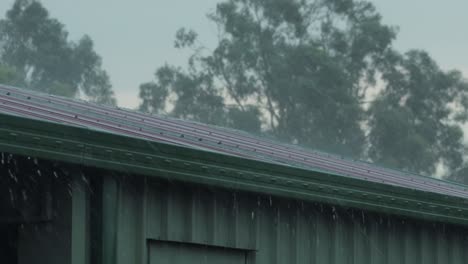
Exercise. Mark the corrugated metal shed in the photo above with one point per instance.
(119, 186)
(200, 136)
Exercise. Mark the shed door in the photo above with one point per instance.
(182, 253)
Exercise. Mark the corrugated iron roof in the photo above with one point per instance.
(119, 121)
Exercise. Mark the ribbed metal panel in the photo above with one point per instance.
(194, 135)
(274, 230)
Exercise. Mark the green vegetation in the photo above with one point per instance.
(302, 72)
(35, 53)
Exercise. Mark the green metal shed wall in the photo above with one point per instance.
(272, 230)
(45, 205)
(100, 216)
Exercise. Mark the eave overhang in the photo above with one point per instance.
(134, 156)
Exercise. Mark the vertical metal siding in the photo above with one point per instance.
(276, 230)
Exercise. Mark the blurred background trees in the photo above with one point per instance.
(35, 53)
(304, 72)
(292, 68)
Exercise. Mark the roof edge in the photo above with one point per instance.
(83, 146)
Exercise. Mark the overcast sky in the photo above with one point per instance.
(135, 37)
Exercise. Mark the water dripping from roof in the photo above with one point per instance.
(25, 195)
(13, 176)
(12, 198)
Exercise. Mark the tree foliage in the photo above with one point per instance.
(301, 70)
(36, 47)
(415, 122)
(295, 68)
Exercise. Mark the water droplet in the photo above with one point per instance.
(12, 198)
(85, 180)
(12, 176)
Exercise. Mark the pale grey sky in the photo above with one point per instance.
(135, 37)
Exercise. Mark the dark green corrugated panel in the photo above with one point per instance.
(275, 231)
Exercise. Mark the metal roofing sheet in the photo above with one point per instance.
(216, 139)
